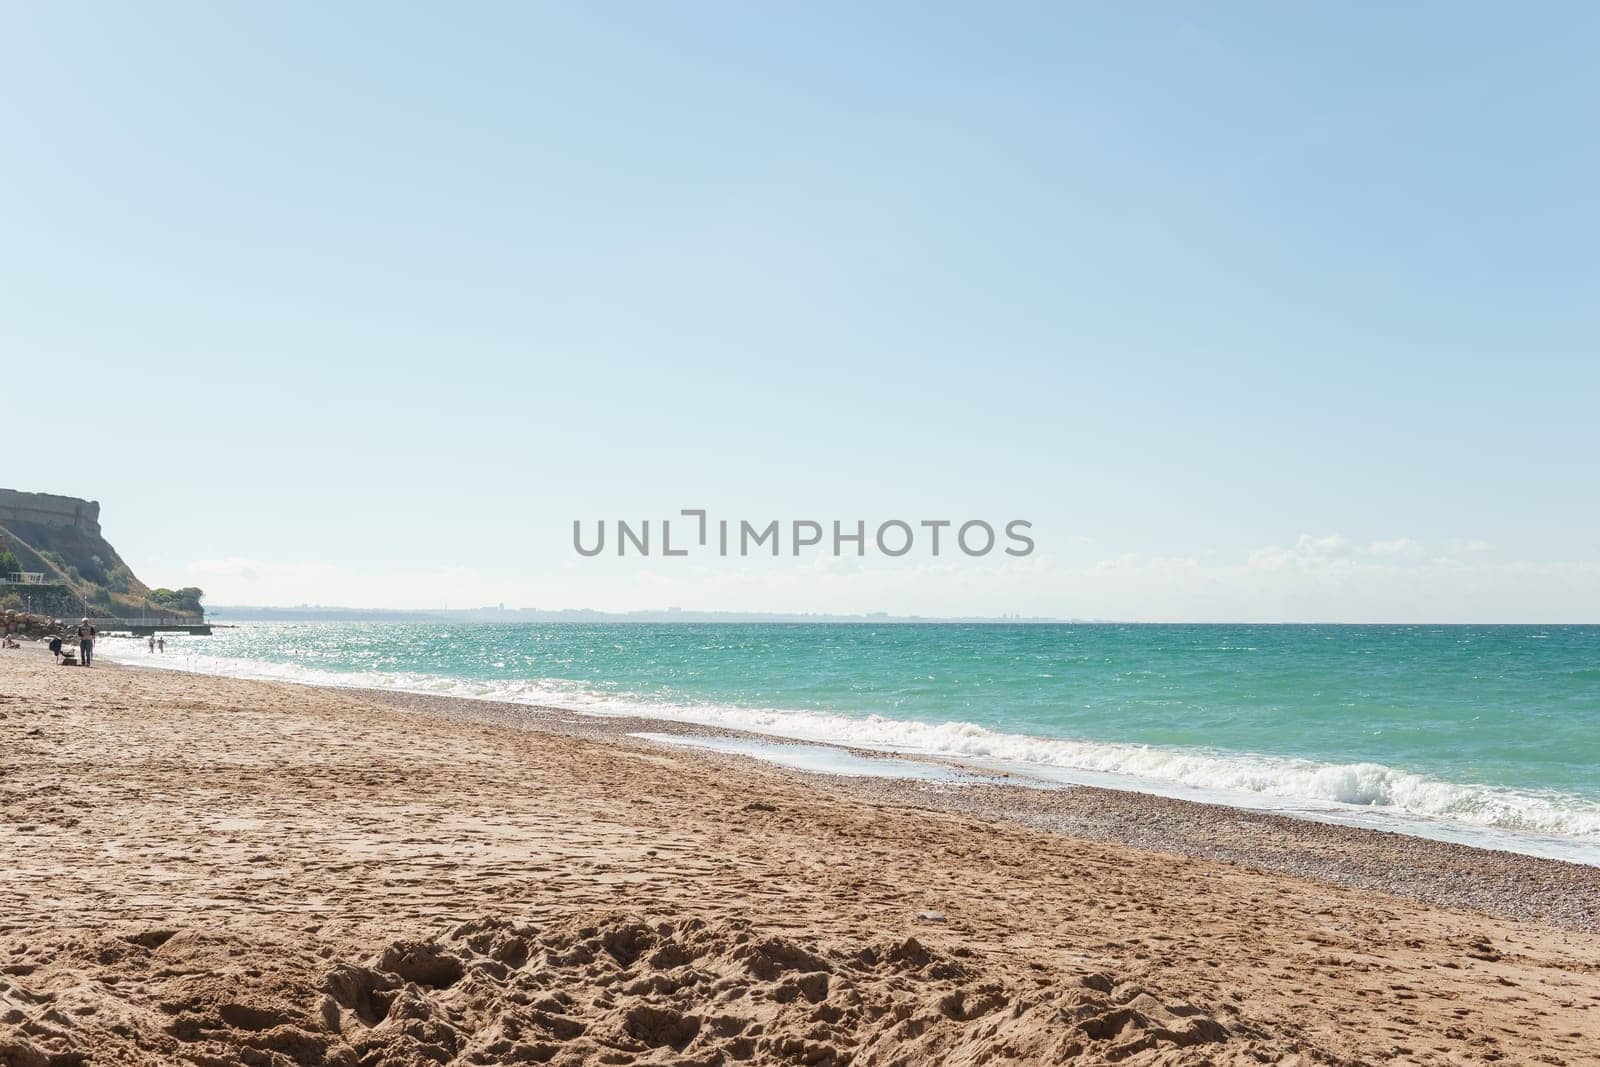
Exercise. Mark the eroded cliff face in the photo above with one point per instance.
(50, 510)
(59, 537)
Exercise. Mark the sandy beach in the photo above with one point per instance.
(209, 871)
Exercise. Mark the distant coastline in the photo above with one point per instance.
(319, 613)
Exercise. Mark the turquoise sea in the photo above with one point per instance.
(1484, 733)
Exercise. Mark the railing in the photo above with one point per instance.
(150, 624)
(149, 620)
(24, 578)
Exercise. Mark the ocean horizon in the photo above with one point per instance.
(1480, 734)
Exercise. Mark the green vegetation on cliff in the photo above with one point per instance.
(186, 600)
(57, 541)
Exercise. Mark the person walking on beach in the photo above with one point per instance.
(85, 642)
(152, 642)
(161, 644)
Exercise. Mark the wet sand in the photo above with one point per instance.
(212, 871)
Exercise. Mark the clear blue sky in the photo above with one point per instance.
(1256, 311)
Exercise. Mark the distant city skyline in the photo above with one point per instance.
(1257, 313)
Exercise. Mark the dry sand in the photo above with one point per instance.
(207, 871)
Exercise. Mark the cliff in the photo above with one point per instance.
(49, 510)
(59, 538)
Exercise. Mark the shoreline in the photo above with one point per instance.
(1498, 881)
(206, 869)
(1507, 884)
(1342, 789)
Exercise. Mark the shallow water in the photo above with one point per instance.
(818, 759)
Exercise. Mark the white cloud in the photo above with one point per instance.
(1308, 551)
(1400, 546)
(1471, 546)
(1330, 546)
